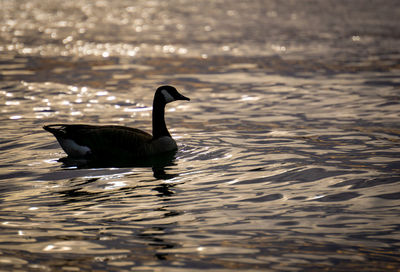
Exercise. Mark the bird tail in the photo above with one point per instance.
(56, 130)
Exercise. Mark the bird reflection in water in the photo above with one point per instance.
(157, 163)
(152, 235)
(75, 191)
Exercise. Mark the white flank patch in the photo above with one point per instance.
(168, 98)
(73, 149)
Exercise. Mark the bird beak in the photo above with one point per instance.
(184, 98)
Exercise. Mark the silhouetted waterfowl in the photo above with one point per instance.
(108, 142)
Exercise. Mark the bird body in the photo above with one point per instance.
(111, 142)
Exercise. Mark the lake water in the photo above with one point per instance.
(289, 150)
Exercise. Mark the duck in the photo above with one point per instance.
(103, 142)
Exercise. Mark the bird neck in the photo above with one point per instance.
(159, 126)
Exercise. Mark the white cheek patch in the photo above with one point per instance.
(168, 98)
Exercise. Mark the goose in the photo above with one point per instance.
(106, 142)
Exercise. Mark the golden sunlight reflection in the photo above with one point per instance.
(142, 109)
(12, 103)
(287, 153)
(115, 185)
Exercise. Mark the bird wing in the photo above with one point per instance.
(105, 141)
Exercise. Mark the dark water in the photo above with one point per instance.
(289, 154)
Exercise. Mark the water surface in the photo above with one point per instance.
(289, 150)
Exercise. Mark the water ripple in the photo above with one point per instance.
(288, 151)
